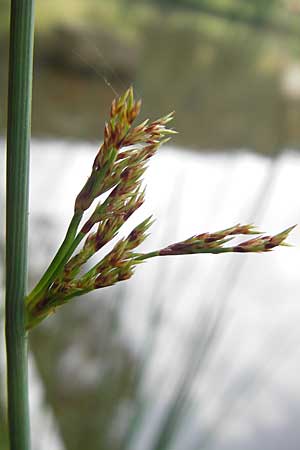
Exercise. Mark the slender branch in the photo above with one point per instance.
(66, 249)
(18, 140)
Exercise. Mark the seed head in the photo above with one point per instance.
(113, 159)
(214, 242)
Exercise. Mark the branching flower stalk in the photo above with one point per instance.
(117, 172)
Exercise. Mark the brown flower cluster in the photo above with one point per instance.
(215, 242)
(117, 173)
(116, 183)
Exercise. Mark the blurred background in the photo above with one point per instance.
(193, 353)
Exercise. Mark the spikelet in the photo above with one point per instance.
(215, 242)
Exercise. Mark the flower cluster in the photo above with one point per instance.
(117, 172)
(214, 242)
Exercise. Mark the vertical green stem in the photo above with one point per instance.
(18, 139)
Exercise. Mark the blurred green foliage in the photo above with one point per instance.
(265, 14)
(88, 384)
(258, 9)
(3, 427)
(218, 63)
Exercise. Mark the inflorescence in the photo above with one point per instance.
(117, 170)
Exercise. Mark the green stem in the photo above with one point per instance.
(18, 140)
(66, 249)
(213, 251)
(143, 256)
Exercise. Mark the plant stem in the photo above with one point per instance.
(67, 247)
(18, 140)
(143, 256)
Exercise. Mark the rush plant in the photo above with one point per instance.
(115, 185)
(112, 193)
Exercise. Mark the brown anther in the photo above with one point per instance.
(125, 275)
(99, 242)
(122, 155)
(87, 226)
(126, 174)
(240, 249)
(132, 114)
(212, 238)
(133, 236)
(269, 245)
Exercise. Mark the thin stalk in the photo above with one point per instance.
(66, 249)
(18, 140)
(144, 256)
(214, 251)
